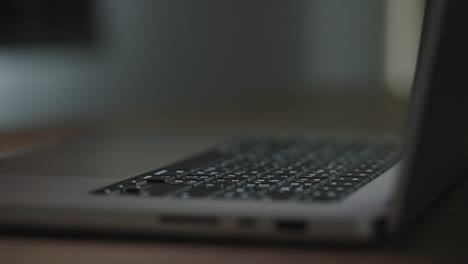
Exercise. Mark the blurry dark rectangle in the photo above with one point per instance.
(47, 22)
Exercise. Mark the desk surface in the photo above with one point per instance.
(441, 237)
(26, 250)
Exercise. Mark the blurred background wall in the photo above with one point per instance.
(403, 30)
(61, 60)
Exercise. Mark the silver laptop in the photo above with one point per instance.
(317, 189)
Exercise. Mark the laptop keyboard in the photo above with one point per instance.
(267, 170)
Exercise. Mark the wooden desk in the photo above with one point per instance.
(437, 239)
(47, 250)
(441, 237)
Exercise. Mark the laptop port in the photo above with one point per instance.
(247, 222)
(188, 219)
(291, 226)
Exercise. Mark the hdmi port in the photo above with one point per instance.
(291, 226)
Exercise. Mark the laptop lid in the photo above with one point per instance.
(437, 141)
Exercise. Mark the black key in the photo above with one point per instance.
(238, 182)
(169, 172)
(292, 172)
(121, 187)
(313, 180)
(202, 172)
(294, 184)
(351, 179)
(158, 178)
(355, 185)
(158, 189)
(194, 182)
(274, 181)
(184, 180)
(132, 190)
(246, 176)
(315, 176)
(139, 183)
(349, 185)
(275, 177)
(337, 189)
(239, 175)
(286, 189)
(227, 177)
(199, 178)
(178, 182)
(227, 181)
(356, 174)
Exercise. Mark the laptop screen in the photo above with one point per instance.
(437, 149)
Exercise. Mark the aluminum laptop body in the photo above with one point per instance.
(64, 187)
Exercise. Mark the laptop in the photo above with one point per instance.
(295, 189)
